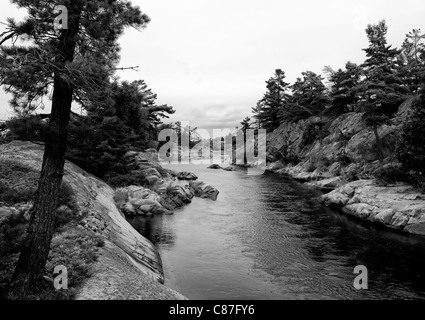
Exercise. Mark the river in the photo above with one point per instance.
(268, 238)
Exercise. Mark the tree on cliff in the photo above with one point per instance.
(74, 59)
(274, 100)
(382, 90)
(412, 68)
(309, 98)
(343, 91)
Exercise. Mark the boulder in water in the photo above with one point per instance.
(204, 191)
(188, 176)
(214, 167)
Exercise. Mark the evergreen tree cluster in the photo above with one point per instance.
(126, 118)
(376, 88)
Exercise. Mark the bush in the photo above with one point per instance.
(18, 183)
(318, 161)
(12, 234)
(352, 173)
(135, 178)
(311, 133)
(343, 159)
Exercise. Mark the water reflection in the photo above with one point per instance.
(154, 229)
(267, 237)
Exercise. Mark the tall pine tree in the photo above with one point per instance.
(412, 67)
(75, 61)
(343, 90)
(382, 91)
(274, 100)
(309, 98)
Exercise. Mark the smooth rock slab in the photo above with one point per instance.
(399, 207)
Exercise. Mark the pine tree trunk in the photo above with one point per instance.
(378, 144)
(35, 251)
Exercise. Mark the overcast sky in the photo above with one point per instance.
(210, 58)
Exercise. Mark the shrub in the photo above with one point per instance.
(310, 134)
(292, 158)
(343, 158)
(318, 161)
(12, 234)
(18, 183)
(352, 173)
(135, 178)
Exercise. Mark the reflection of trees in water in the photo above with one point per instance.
(153, 229)
(396, 261)
(391, 258)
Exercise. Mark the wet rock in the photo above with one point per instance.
(398, 207)
(135, 200)
(327, 184)
(188, 176)
(385, 217)
(204, 191)
(278, 165)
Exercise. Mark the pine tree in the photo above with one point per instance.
(246, 124)
(382, 90)
(412, 68)
(343, 91)
(309, 98)
(75, 60)
(275, 99)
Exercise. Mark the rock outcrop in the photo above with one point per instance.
(166, 190)
(398, 207)
(322, 147)
(218, 167)
(329, 154)
(204, 191)
(129, 266)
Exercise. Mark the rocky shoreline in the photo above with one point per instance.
(398, 206)
(129, 266)
(338, 156)
(165, 192)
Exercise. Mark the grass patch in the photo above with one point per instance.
(18, 183)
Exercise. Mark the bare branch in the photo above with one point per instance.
(128, 68)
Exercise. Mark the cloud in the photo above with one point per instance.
(209, 117)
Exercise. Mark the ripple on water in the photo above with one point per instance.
(266, 237)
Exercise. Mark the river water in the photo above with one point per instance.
(267, 238)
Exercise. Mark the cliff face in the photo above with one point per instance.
(129, 266)
(342, 154)
(320, 147)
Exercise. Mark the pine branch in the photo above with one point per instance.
(8, 37)
(128, 68)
